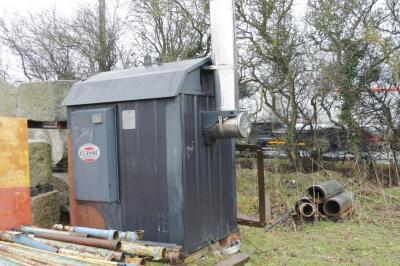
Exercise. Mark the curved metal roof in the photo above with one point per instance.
(156, 81)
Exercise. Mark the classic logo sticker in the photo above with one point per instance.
(89, 153)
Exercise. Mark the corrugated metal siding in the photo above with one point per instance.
(144, 191)
(209, 179)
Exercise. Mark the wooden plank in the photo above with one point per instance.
(235, 260)
(195, 256)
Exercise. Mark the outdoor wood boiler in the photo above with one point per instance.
(153, 148)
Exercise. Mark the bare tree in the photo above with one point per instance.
(42, 45)
(273, 61)
(171, 29)
(53, 47)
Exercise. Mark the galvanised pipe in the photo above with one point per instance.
(42, 257)
(338, 204)
(129, 236)
(22, 239)
(100, 233)
(92, 242)
(36, 230)
(106, 254)
(321, 192)
(139, 250)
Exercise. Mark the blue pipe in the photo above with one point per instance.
(100, 233)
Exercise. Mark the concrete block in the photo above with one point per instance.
(8, 99)
(41, 101)
(40, 163)
(58, 140)
(46, 209)
(61, 183)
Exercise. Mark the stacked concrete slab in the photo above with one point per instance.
(42, 102)
(58, 140)
(8, 99)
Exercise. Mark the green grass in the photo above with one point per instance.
(370, 237)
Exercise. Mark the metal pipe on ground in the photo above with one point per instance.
(22, 239)
(300, 201)
(92, 242)
(307, 210)
(130, 236)
(106, 254)
(100, 233)
(8, 258)
(42, 257)
(321, 192)
(144, 251)
(37, 230)
(338, 204)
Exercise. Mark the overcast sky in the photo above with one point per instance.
(62, 6)
(66, 7)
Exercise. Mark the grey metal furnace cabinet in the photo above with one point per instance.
(154, 170)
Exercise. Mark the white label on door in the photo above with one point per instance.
(128, 119)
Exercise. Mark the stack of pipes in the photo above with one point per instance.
(68, 245)
(326, 200)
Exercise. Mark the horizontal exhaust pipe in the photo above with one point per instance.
(231, 127)
(338, 204)
(321, 192)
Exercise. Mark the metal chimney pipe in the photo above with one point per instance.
(227, 121)
(224, 54)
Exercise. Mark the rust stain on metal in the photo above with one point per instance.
(72, 203)
(14, 158)
(172, 254)
(226, 242)
(135, 261)
(145, 251)
(88, 215)
(15, 206)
